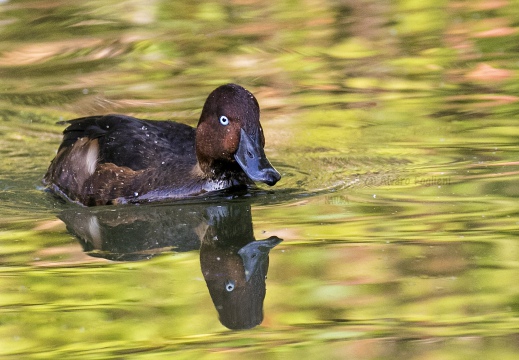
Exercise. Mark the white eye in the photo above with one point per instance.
(229, 285)
(224, 120)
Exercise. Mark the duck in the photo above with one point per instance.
(118, 159)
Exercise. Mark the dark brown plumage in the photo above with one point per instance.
(114, 159)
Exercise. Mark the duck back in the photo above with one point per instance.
(131, 142)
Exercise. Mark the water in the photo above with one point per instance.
(393, 125)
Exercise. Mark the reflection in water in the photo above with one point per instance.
(234, 265)
(364, 101)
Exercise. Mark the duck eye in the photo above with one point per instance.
(229, 285)
(224, 120)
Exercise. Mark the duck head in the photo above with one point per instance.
(229, 135)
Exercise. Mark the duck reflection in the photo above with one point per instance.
(234, 264)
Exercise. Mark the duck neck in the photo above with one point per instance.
(220, 170)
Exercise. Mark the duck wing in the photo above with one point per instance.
(134, 143)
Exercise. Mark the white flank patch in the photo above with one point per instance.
(95, 231)
(91, 157)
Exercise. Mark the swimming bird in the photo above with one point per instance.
(114, 159)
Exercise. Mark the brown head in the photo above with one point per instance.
(229, 134)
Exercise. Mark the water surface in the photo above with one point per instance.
(394, 128)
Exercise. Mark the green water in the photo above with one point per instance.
(393, 124)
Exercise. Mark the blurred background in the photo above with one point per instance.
(393, 124)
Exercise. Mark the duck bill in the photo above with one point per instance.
(255, 254)
(251, 157)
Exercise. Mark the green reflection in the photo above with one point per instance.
(364, 104)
